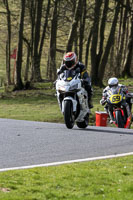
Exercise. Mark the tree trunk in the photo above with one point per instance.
(87, 48)
(19, 83)
(44, 29)
(127, 66)
(102, 30)
(52, 50)
(82, 29)
(32, 12)
(108, 46)
(36, 76)
(94, 44)
(119, 58)
(27, 63)
(8, 44)
(73, 29)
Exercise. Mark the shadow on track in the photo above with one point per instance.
(107, 130)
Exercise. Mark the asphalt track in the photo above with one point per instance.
(27, 143)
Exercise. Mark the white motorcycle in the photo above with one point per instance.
(72, 99)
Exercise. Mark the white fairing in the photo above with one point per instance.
(83, 100)
(74, 86)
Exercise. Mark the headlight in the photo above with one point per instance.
(61, 88)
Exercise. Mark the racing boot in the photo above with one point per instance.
(111, 117)
(132, 118)
(90, 105)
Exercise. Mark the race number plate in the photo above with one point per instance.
(116, 98)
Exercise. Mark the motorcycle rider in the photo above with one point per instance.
(70, 62)
(113, 82)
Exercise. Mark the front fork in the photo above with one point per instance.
(74, 103)
(125, 110)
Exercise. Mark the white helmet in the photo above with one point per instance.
(113, 82)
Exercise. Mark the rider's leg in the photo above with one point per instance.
(110, 111)
(90, 92)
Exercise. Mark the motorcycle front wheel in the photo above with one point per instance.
(69, 117)
(119, 119)
(83, 124)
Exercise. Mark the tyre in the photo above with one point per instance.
(119, 119)
(83, 124)
(68, 114)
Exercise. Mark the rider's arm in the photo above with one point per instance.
(61, 70)
(104, 96)
(124, 89)
(84, 74)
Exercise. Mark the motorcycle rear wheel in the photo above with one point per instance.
(83, 124)
(69, 117)
(119, 119)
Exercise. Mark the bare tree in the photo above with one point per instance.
(73, 29)
(94, 44)
(8, 44)
(82, 28)
(36, 73)
(108, 46)
(38, 34)
(52, 49)
(19, 84)
(88, 47)
(128, 61)
(44, 29)
(121, 39)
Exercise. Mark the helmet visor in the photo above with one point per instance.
(70, 63)
(115, 85)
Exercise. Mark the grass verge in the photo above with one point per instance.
(105, 179)
(38, 104)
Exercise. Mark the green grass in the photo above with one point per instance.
(105, 179)
(35, 108)
(39, 104)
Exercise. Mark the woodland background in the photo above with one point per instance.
(35, 34)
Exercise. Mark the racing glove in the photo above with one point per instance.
(103, 101)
